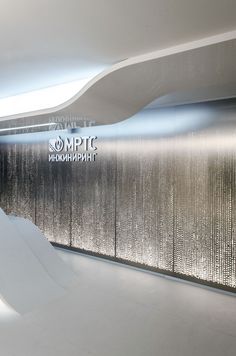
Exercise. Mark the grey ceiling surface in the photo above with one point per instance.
(44, 43)
(198, 74)
(125, 91)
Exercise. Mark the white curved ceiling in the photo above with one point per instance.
(202, 69)
(133, 84)
(45, 43)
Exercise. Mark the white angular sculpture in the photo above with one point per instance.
(31, 273)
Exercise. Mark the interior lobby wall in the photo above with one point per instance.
(161, 192)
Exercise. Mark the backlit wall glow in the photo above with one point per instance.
(163, 200)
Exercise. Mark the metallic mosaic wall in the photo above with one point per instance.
(167, 202)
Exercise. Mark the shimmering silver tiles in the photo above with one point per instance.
(164, 202)
(93, 203)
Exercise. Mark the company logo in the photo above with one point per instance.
(72, 149)
(56, 145)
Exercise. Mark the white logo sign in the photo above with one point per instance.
(56, 145)
(72, 149)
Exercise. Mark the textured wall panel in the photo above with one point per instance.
(144, 213)
(165, 201)
(93, 202)
(53, 197)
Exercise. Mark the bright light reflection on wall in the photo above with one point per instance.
(6, 312)
(40, 99)
(147, 123)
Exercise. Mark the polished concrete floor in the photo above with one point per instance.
(119, 311)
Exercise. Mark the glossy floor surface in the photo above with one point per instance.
(115, 310)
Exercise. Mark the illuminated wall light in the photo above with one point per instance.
(181, 220)
(40, 99)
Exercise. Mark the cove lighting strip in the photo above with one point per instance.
(26, 127)
(40, 99)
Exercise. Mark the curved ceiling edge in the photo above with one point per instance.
(126, 87)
